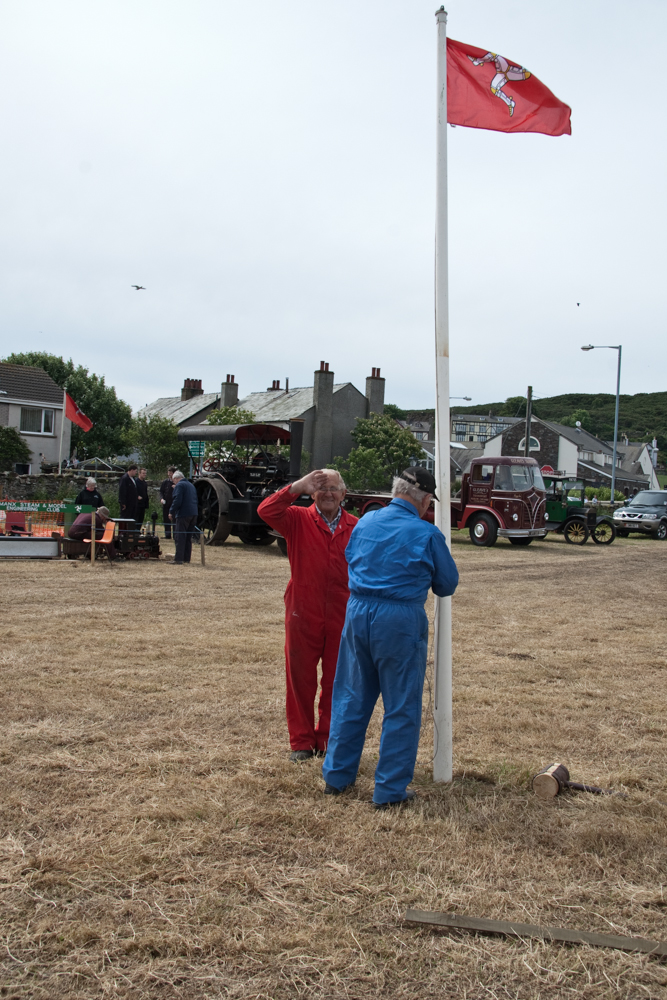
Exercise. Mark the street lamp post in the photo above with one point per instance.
(612, 347)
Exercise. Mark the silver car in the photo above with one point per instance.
(646, 513)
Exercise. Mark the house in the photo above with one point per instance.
(460, 455)
(574, 452)
(31, 402)
(471, 427)
(329, 410)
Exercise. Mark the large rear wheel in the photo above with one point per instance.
(603, 533)
(213, 498)
(576, 531)
(484, 530)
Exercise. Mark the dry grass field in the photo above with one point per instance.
(156, 842)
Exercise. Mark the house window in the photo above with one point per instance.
(460, 436)
(587, 456)
(534, 444)
(36, 421)
(471, 428)
(460, 428)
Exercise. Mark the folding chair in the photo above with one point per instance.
(106, 539)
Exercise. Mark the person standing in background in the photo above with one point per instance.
(142, 497)
(89, 495)
(184, 516)
(166, 494)
(127, 494)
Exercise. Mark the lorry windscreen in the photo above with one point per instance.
(514, 478)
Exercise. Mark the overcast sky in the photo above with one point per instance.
(267, 172)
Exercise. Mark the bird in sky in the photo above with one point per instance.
(577, 302)
(140, 288)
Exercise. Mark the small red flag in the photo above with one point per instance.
(486, 90)
(73, 413)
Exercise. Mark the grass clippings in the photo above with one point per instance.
(155, 840)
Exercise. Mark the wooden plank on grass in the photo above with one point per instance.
(507, 929)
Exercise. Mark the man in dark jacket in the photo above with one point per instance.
(183, 514)
(127, 494)
(166, 493)
(142, 497)
(89, 495)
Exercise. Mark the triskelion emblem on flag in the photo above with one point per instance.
(504, 73)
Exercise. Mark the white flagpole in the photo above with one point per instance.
(62, 434)
(442, 709)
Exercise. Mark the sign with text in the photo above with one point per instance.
(38, 507)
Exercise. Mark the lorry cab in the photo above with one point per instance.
(501, 496)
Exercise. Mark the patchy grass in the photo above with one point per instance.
(156, 842)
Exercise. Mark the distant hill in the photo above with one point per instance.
(642, 416)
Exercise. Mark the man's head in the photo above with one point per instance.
(143, 473)
(417, 486)
(330, 494)
(104, 513)
(171, 469)
(177, 476)
(131, 470)
(91, 483)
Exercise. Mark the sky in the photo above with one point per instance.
(267, 172)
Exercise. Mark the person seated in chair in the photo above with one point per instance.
(82, 526)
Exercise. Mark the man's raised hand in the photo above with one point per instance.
(314, 481)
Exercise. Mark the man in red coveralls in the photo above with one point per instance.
(315, 599)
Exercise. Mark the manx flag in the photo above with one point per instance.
(486, 90)
(73, 413)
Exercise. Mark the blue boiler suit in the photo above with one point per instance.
(394, 557)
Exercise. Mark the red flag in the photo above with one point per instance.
(486, 90)
(73, 413)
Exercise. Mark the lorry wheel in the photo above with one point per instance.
(520, 541)
(576, 532)
(621, 533)
(370, 507)
(484, 530)
(603, 533)
(661, 531)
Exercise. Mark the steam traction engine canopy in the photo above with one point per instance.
(232, 480)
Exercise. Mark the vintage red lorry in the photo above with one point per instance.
(501, 497)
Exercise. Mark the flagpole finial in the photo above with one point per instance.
(441, 14)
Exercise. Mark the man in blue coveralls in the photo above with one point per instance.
(394, 557)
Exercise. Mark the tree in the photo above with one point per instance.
(583, 416)
(155, 439)
(391, 410)
(111, 416)
(362, 470)
(515, 406)
(13, 448)
(226, 415)
(230, 415)
(384, 449)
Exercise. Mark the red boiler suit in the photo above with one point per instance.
(315, 603)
